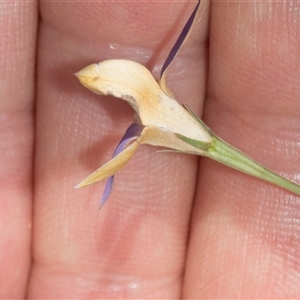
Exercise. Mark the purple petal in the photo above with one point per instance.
(180, 40)
(107, 190)
(133, 131)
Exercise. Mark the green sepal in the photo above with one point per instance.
(197, 144)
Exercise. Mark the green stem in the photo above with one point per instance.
(222, 152)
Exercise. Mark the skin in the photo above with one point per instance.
(172, 227)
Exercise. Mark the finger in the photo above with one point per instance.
(245, 233)
(18, 34)
(135, 246)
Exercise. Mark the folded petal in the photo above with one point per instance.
(120, 158)
(111, 167)
(131, 133)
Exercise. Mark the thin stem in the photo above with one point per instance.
(230, 156)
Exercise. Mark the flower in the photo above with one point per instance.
(160, 120)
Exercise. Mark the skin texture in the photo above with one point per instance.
(173, 227)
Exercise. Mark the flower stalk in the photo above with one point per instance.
(226, 154)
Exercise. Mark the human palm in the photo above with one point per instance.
(172, 227)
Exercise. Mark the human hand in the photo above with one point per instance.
(169, 228)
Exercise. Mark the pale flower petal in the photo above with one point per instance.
(155, 136)
(111, 167)
(134, 83)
